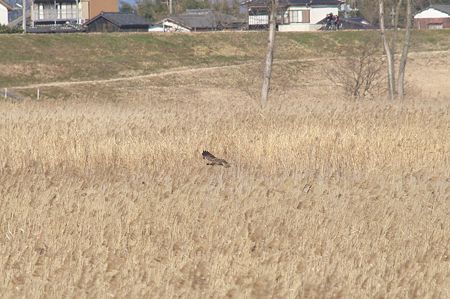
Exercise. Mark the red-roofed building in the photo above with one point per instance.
(434, 17)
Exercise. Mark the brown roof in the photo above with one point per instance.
(121, 19)
(5, 4)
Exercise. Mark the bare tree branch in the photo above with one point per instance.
(360, 73)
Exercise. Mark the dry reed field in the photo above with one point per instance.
(104, 193)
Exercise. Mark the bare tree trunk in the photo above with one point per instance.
(77, 4)
(395, 35)
(24, 16)
(32, 13)
(389, 54)
(269, 55)
(404, 57)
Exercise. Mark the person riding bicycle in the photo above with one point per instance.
(337, 22)
(329, 20)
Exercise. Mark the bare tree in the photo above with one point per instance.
(396, 82)
(267, 73)
(24, 16)
(360, 74)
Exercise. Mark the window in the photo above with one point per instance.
(40, 11)
(299, 16)
(61, 10)
(435, 26)
(295, 16)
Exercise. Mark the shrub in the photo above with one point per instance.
(9, 30)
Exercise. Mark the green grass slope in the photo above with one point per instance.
(27, 59)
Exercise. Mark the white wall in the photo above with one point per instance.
(431, 13)
(296, 27)
(172, 27)
(320, 13)
(317, 14)
(3, 15)
(155, 29)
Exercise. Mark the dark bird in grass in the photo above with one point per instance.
(212, 160)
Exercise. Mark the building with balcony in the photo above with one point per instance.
(54, 12)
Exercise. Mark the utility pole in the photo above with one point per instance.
(170, 7)
(24, 16)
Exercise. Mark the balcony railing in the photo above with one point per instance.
(46, 11)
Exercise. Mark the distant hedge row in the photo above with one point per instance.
(8, 30)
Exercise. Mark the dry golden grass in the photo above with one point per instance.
(105, 194)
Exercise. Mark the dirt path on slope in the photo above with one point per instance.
(181, 71)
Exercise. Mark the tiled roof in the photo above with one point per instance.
(203, 19)
(121, 19)
(441, 7)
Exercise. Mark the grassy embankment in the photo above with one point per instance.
(46, 58)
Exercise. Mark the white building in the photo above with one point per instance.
(170, 25)
(293, 15)
(4, 9)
